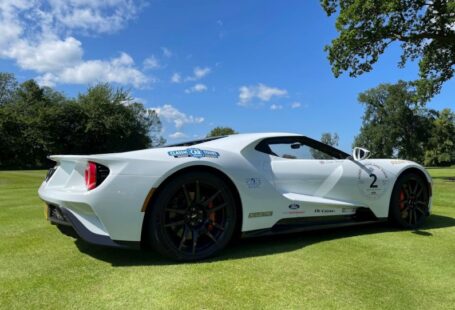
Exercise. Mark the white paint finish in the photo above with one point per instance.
(115, 206)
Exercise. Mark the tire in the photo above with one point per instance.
(193, 218)
(409, 202)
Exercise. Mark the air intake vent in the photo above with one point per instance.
(101, 173)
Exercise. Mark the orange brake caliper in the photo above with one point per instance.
(401, 200)
(211, 215)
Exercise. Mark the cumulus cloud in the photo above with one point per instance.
(171, 114)
(117, 70)
(151, 63)
(199, 73)
(40, 35)
(176, 78)
(260, 91)
(198, 88)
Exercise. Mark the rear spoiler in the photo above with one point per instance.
(58, 158)
(104, 159)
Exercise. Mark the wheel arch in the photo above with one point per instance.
(155, 192)
(421, 174)
(416, 171)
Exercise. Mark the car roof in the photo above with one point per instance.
(241, 140)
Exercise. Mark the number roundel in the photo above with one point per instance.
(372, 181)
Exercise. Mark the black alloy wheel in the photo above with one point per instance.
(410, 201)
(193, 218)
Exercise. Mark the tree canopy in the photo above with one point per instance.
(329, 139)
(425, 29)
(441, 145)
(395, 125)
(37, 121)
(221, 131)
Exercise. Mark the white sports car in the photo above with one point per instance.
(189, 200)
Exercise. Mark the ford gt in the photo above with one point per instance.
(189, 200)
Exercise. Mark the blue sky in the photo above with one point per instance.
(251, 65)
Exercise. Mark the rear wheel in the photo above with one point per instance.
(410, 200)
(193, 217)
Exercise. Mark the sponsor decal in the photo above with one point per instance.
(260, 214)
(348, 210)
(295, 212)
(294, 206)
(253, 182)
(324, 211)
(193, 152)
(372, 181)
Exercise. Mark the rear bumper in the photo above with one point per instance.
(63, 216)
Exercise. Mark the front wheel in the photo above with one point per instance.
(193, 217)
(410, 201)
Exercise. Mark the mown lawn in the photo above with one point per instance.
(361, 267)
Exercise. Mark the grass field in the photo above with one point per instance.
(360, 267)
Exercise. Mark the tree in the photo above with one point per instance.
(38, 121)
(394, 124)
(115, 123)
(441, 146)
(425, 29)
(221, 131)
(329, 139)
(26, 127)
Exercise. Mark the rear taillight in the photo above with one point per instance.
(90, 175)
(95, 174)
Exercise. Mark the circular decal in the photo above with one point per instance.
(372, 181)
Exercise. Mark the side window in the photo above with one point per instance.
(292, 149)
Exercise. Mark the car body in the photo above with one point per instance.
(281, 182)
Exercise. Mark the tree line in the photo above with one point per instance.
(38, 121)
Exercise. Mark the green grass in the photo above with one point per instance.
(361, 267)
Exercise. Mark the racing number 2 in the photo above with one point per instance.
(375, 178)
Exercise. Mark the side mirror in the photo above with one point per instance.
(360, 153)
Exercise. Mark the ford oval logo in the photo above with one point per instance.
(294, 206)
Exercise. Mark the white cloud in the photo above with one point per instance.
(171, 114)
(199, 73)
(88, 15)
(177, 135)
(276, 107)
(166, 52)
(260, 91)
(176, 78)
(46, 56)
(151, 63)
(39, 35)
(296, 105)
(117, 70)
(198, 88)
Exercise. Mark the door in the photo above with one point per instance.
(303, 166)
